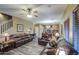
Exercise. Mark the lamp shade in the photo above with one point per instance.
(6, 34)
(57, 34)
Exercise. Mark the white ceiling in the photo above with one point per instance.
(47, 13)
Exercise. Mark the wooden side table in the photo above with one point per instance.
(7, 45)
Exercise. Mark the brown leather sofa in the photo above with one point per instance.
(21, 39)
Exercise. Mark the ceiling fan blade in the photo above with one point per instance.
(24, 9)
(35, 11)
(36, 15)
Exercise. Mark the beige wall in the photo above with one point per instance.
(68, 14)
(13, 30)
(3, 18)
(27, 25)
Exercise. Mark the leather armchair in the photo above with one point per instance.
(43, 41)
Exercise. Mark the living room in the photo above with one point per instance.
(28, 29)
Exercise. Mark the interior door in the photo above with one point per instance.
(66, 30)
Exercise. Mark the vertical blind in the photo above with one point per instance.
(76, 28)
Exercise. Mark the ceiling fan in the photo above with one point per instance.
(28, 11)
(31, 12)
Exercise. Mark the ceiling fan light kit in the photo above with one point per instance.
(29, 15)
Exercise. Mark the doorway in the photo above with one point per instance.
(66, 29)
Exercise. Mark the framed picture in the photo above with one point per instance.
(20, 28)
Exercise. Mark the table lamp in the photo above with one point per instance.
(6, 36)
